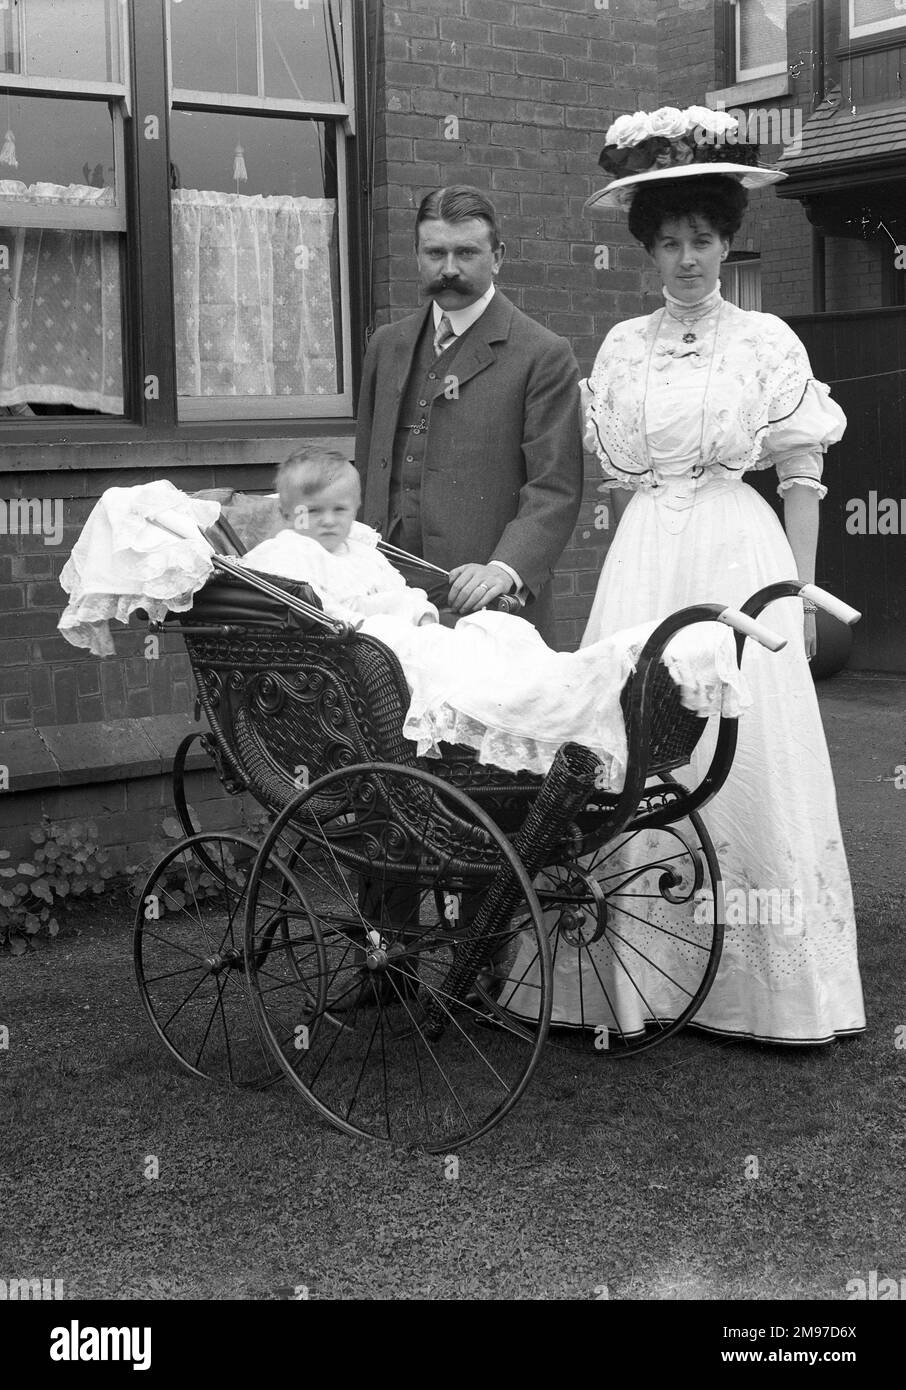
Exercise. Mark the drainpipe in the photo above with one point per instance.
(817, 53)
(819, 283)
(819, 296)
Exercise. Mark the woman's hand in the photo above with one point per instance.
(810, 632)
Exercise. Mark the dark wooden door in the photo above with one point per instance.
(862, 357)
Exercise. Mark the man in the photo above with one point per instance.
(468, 438)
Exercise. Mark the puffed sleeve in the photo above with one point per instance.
(586, 424)
(612, 399)
(803, 419)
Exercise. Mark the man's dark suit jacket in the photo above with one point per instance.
(503, 474)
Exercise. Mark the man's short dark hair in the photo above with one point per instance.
(458, 203)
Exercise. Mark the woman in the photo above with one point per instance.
(679, 406)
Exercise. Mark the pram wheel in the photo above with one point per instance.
(637, 929)
(189, 960)
(408, 1044)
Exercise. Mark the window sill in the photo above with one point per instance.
(873, 43)
(74, 755)
(745, 93)
(213, 442)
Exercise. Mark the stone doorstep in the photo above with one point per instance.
(61, 755)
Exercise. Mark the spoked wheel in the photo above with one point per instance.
(189, 960)
(636, 931)
(382, 1004)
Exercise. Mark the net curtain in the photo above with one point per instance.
(255, 302)
(60, 319)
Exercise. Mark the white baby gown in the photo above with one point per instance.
(122, 561)
(680, 424)
(491, 683)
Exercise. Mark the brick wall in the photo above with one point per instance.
(43, 678)
(69, 720)
(515, 99)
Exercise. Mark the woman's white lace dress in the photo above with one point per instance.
(680, 422)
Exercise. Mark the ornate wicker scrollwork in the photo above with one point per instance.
(267, 694)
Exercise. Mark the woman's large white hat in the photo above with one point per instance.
(650, 147)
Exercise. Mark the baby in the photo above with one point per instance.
(324, 545)
(490, 682)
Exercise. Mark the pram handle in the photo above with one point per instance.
(830, 603)
(504, 603)
(749, 627)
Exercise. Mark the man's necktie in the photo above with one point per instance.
(443, 336)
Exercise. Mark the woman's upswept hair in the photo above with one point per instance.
(722, 201)
(310, 470)
(458, 203)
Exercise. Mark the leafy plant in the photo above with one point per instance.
(67, 864)
(185, 879)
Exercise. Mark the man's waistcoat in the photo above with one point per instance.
(412, 439)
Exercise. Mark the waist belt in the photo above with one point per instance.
(681, 493)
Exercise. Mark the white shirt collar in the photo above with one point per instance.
(461, 319)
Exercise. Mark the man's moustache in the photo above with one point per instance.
(446, 285)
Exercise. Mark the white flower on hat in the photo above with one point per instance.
(629, 130)
(717, 123)
(670, 123)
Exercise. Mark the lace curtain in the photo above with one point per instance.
(255, 294)
(60, 317)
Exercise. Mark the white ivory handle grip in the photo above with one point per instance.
(752, 628)
(830, 603)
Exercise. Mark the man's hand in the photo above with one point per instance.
(475, 586)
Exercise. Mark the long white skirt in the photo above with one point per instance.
(786, 977)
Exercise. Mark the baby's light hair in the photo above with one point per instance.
(310, 470)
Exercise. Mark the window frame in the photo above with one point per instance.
(117, 95)
(735, 266)
(18, 213)
(206, 408)
(766, 69)
(143, 218)
(872, 30)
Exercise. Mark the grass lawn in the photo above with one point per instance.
(630, 1175)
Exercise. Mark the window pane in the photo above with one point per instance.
(302, 50)
(57, 142)
(77, 39)
(877, 12)
(762, 33)
(279, 156)
(60, 321)
(255, 262)
(216, 48)
(741, 283)
(214, 45)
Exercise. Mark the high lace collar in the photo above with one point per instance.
(678, 309)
